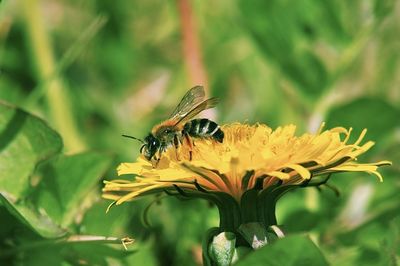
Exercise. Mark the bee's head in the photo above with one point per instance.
(150, 147)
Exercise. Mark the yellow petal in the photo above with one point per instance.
(303, 172)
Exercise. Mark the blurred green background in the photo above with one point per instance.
(75, 75)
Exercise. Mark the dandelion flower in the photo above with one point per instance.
(247, 173)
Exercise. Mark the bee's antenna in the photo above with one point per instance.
(131, 137)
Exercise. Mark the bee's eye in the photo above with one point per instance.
(167, 131)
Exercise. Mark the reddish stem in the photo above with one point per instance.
(191, 46)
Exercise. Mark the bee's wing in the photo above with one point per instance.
(191, 99)
(207, 104)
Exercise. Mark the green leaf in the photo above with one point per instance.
(291, 250)
(308, 72)
(10, 91)
(278, 28)
(144, 255)
(378, 116)
(25, 140)
(240, 252)
(97, 221)
(38, 222)
(96, 254)
(67, 182)
(383, 8)
(70, 251)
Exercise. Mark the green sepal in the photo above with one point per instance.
(249, 206)
(255, 234)
(267, 201)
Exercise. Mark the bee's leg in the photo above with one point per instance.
(176, 144)
(158, 158)
(157, 161)
(190, 144)
(154, 162)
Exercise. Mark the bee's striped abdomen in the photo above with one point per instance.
(203, 128)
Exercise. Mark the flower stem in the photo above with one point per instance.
(55, 91)
(191, 46)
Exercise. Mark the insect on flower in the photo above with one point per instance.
(180, 126)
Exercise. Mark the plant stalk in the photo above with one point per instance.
(56, 93)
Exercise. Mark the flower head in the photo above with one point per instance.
(252, 160)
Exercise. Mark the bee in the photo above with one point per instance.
(181, 126)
